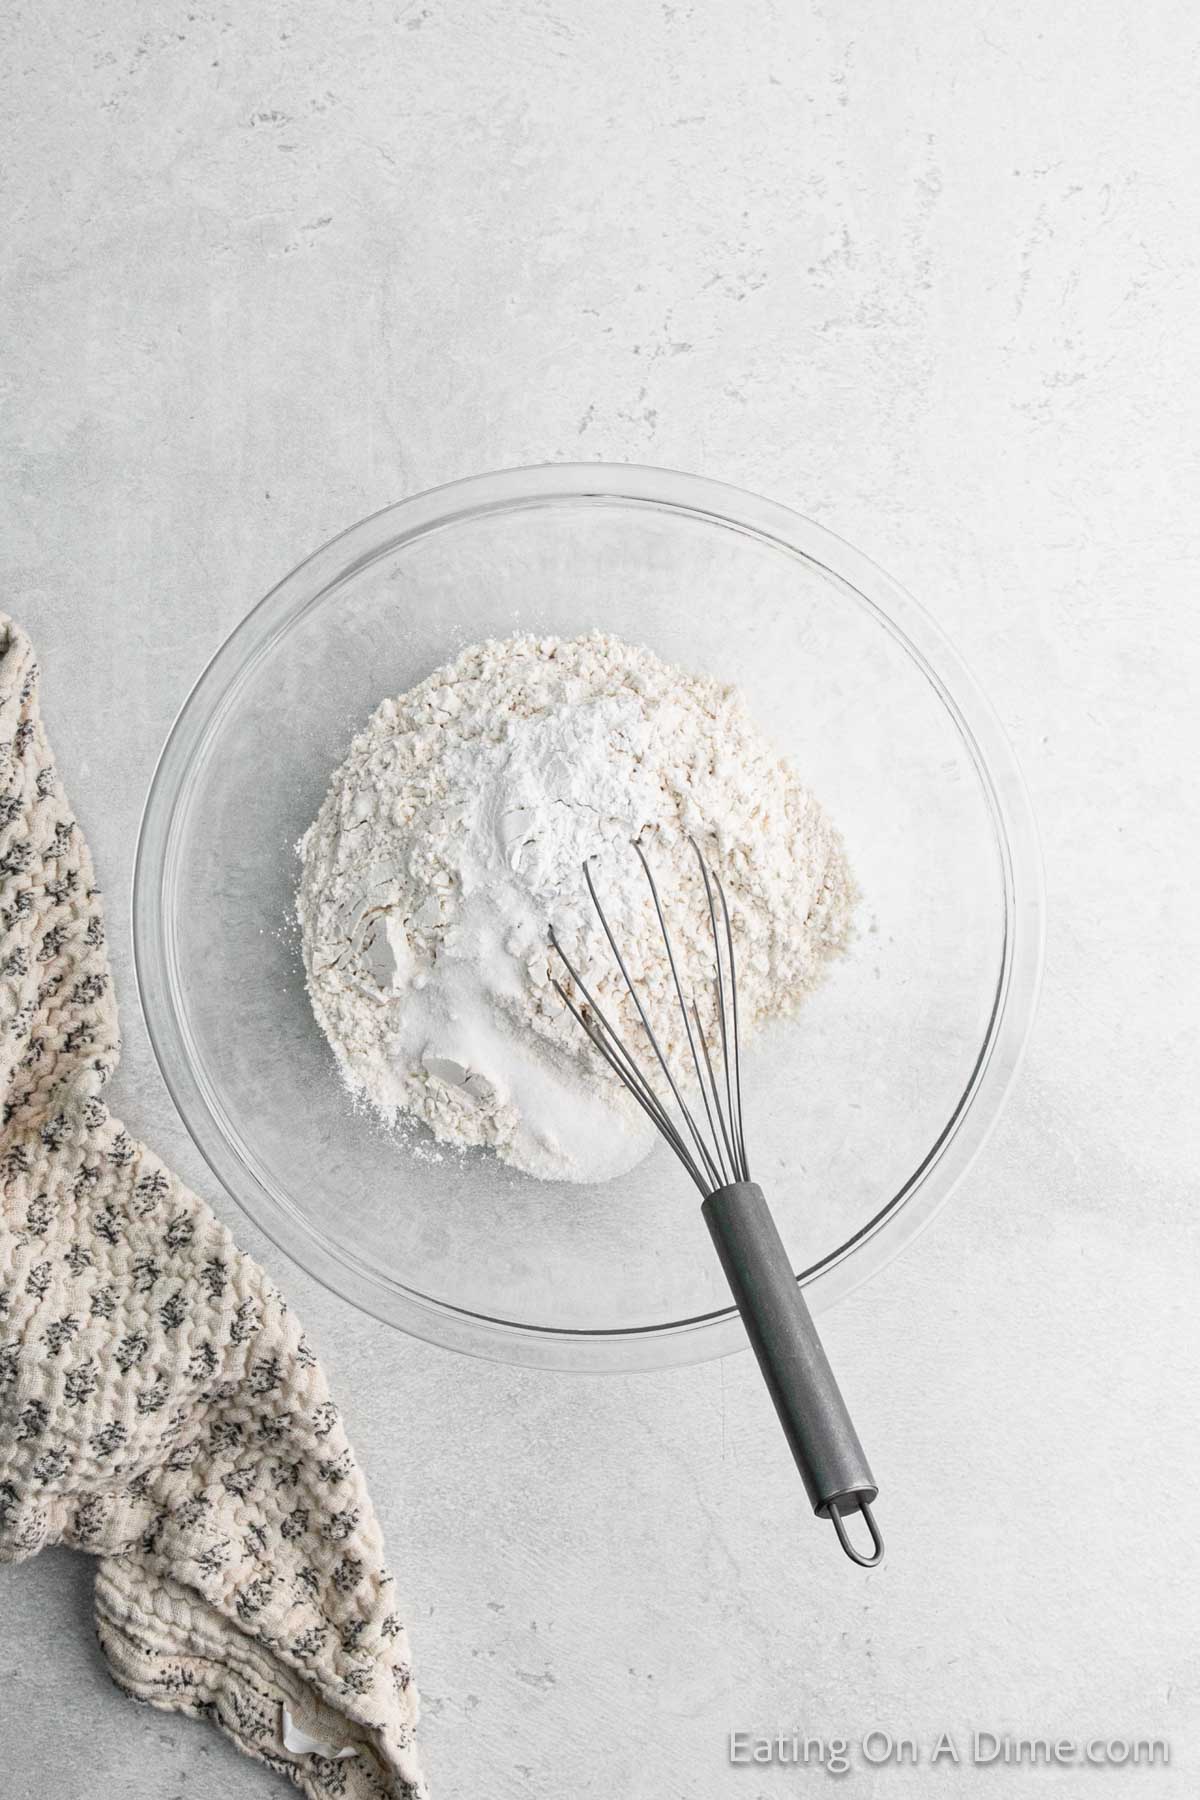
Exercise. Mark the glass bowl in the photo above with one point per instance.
(861, 1116)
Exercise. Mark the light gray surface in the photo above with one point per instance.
(927, 273)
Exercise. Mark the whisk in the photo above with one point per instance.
(712, 1149)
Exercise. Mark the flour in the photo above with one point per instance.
(453, 838)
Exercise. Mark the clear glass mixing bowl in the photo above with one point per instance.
(860, 1118)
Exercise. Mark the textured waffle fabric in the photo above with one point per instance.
(160, 1407)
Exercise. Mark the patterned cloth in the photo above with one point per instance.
(159, 1405)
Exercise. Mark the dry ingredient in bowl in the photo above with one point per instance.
(454, 836)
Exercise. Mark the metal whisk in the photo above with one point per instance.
(760, 1275)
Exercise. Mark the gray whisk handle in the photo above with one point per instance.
(794, 1365)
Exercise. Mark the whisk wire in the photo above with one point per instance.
(711, 1167)
(646, 1099)
(737, 1049)
(719, 995)
(608, 1042)
(715, 1160)
(716, 1093)
(683, 1007)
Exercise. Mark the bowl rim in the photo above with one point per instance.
(897, 1224)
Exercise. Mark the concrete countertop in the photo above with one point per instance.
(927, 274)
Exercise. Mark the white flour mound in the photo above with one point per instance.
(454, 836)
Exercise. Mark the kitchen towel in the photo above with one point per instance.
(160, 1407)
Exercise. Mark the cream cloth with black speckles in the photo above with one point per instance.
(159, 1405)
